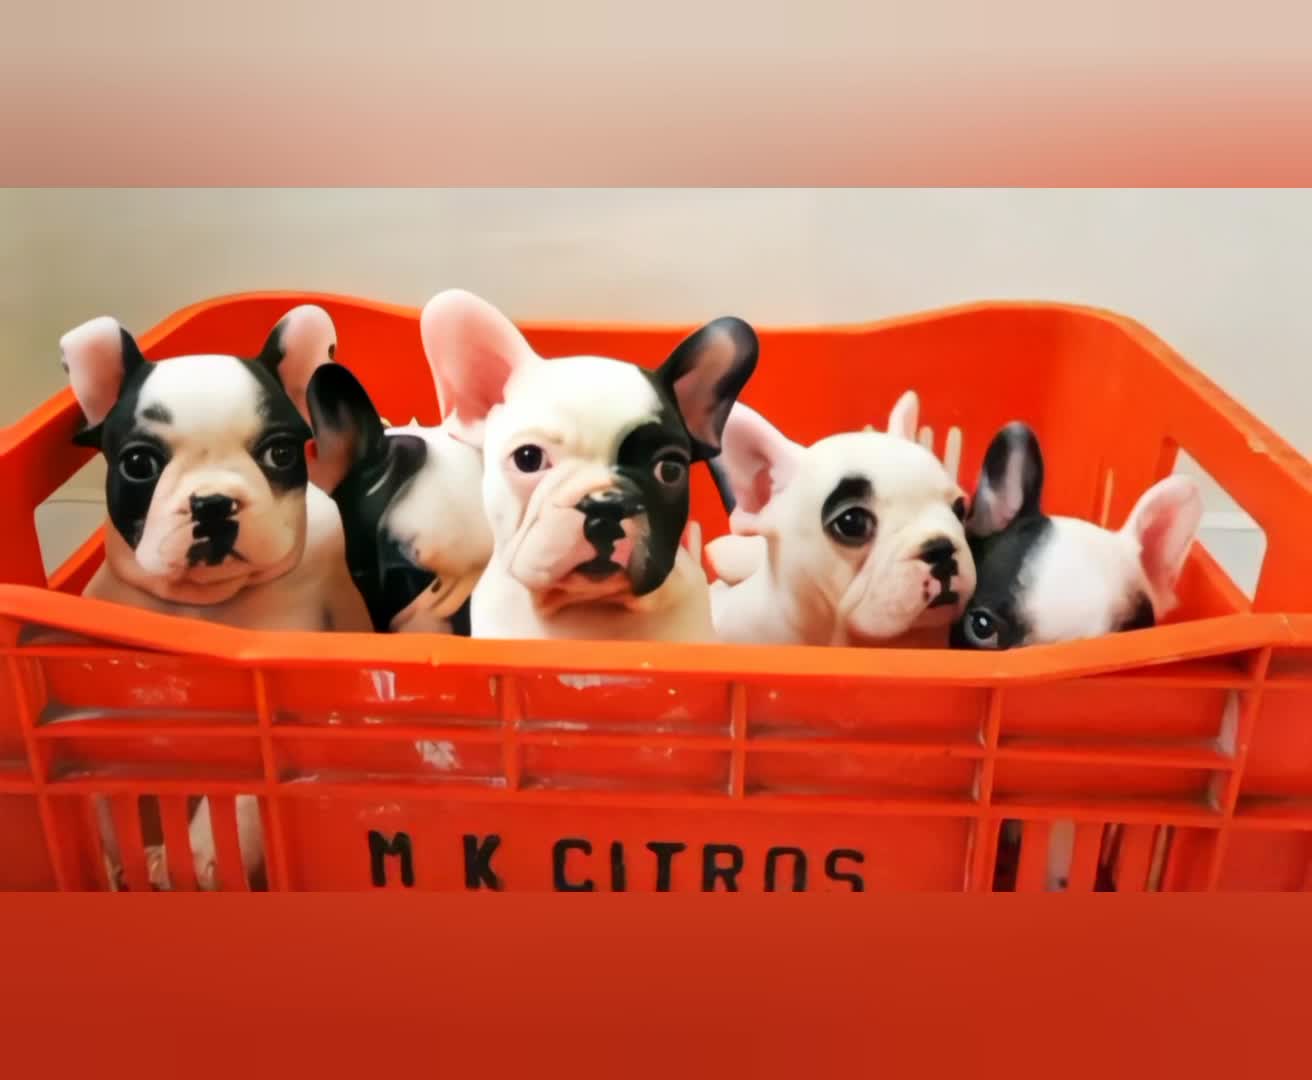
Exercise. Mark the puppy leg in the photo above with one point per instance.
(205, 851)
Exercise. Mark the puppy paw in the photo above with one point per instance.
(207, 874)
(114, 875)
(157, 868)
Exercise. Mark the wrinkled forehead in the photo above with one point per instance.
(586, 403)
(896, 470)
(204, 398)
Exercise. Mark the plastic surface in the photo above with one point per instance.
(1177, 758)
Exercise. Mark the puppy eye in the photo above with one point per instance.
(280, 454)
(853, 527)
(982, 629)
(140, 464)
(529, 458)
(670, 471)
(959, 508)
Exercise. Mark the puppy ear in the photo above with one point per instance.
(1165, 521)
(98, 356)
(905, 417)
(706, 373)
(347, 428)
(1010, 481)
(472, 350)
(302, 342)
(756, 463)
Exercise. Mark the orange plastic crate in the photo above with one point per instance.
(1182, 754)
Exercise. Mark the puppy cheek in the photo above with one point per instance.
(652, 560)
(269, 530)
(892, 597)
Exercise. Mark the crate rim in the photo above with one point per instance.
(161, 633)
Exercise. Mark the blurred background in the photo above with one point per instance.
(1223, 275)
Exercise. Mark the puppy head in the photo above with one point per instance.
(1048, 579)
(410, 500)
(586, 459)
(207, 473)
(864, 528)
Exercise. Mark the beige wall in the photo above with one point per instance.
(1223, 275)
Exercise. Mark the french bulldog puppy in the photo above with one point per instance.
(585, 473)
(211, 514)
(854, 540)
(1049, 579)
(417, 539)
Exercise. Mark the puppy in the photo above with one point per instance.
(210, 511)
(585, 473)
(854, 540)
(211, 514)
(1050, 579)
(411, 502)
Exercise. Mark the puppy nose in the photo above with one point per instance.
(938, 551)
(212, 507)
(611, 505)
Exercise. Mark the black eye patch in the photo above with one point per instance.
(847, 490)
(643, 445)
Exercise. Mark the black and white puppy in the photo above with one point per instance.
(411, 502)
(211, 514)
(1043, 580)
(586, 465)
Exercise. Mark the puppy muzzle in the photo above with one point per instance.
(585, 546)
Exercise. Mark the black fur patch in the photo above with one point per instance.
(665, 505)
(999, 561)
(382, 469)
(849, 489)
(1141, 617)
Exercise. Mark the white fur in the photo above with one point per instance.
(797, 585)
(1080, 582)
(440, 516)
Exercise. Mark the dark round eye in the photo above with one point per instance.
(959, 508)
(982, 629)
(529, 458)
(280, 454)
(140, 464)
(669, 471)
(853, 527)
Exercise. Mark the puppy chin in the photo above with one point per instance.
(168, 574)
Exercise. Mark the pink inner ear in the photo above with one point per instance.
(1165, 521)
(92, 355)
(759, 459)
(472, 351)
(905, 417)
(308, 340)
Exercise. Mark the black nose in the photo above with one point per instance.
(212, 507)
(612, 505)
(938, 551)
